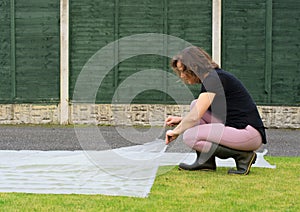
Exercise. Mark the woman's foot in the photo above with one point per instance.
(243, 159)
(243, 162)
(204, 162)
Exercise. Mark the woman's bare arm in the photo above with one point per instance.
(193, 117)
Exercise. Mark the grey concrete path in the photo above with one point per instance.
(281, 142)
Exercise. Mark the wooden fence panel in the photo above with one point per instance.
(261, 46)
(243, 43)
(286, 52)
(5, 51)
(29, 42)
(96, 23)
(37, 50)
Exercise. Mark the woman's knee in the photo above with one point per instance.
(189, 138)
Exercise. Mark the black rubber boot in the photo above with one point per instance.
(243, 159)
(204, 162)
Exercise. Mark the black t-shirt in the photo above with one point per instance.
(232, 103)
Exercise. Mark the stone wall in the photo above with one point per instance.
(28, 114)
(146, 115)
(280, 117)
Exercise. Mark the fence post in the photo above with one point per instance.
(13, 49)
(216, 30)
(64, 61)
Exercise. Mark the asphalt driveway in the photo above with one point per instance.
(281, 142)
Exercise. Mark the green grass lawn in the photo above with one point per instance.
(262, 190)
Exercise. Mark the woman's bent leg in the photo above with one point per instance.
(236, 143)
(200, 136)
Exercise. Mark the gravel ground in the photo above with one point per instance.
(281, 142)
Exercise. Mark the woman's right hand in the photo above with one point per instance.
(172, 120)
(170, 136)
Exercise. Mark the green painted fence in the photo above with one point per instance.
(29, 46)
(260, 44)
(6, 61)
(94, 24)
(285, 76)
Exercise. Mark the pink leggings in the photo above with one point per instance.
(210, 130)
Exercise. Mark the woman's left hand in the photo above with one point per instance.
(170, 136)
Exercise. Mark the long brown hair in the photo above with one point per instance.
(196, 63)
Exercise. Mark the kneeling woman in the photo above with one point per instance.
(223, 121)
